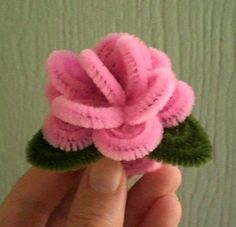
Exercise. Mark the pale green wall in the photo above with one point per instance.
(199, 35)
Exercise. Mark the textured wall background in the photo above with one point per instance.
(198, 35)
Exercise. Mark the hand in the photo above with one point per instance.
(95, 197)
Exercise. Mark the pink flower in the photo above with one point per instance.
(119, 96)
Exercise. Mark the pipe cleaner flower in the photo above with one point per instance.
(120, 100)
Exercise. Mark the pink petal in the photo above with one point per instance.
(65, 136)
(179, 106)
(129, 142)
(161, 86)
(107, 52)
(51, 92)
(67, 75)
(144, 50)
(140, 166)
(105, 49)
(159, 59)
(86, 116)
(102, 77)
(136, 69)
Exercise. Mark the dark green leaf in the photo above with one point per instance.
(187, 145)
(42, 154)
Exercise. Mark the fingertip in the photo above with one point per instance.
(148, 189)
(169, 174)
(164, 181)
(166, 211)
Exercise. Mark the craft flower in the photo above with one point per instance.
(119, 96)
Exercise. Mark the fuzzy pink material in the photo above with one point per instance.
(119, 96)
(129, 142)
(140, 166)
(67, 136)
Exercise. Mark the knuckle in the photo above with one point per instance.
(89, 219)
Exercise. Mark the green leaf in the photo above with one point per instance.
(41, 154)
(187, 145)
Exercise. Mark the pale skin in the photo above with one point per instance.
(94, 197)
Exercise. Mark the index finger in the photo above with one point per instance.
(35, 196)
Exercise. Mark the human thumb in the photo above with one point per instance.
(101, 196)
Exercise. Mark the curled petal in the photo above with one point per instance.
(140, 166)
(108, 52)
(179, 106)
(51, 92)
(129, 142)
(159, 59)
(145, 54)
(161, 87)
(65, 136)
(136, 70)
(67, 75)
(105, 49)
(107, 45)
(102, 77)
(86, 116)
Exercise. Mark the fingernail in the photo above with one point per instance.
(105, 176)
